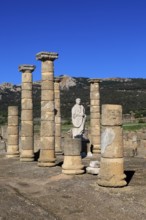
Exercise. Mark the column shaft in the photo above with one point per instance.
(27, 135)
(95, 115)
(13, 132)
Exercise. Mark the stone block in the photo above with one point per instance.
(47, 67)
(95, 102)
(47, 85)
(47, 128)
(13, 130)
(46, 115)
(47, 158)
(112, 142)
(26, 128)
(26, 94)
(47, 76)
(47, 106)
(12, 110)
(27, 143)
(111, 115)
(72, 165)
(27, 155)
(111, 172)
(95, 95)
(47, 143)
(47, 95)
(26, 77)
(95, 115)
(27, 115)
(72, 147)
(94, 109)
(26, 86)
(26, 104)
(13, 140)
(13, 120)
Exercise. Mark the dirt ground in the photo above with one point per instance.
(29, 192)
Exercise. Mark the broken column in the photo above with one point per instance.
(47, 133)
(13, 132)
(72, 160)
(111, 172)
(27, 142)
(95, 115)
(57, 116)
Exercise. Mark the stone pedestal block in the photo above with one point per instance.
(47, 158)
(27, 155)
(72, 160)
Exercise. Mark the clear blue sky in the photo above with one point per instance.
(94, 38)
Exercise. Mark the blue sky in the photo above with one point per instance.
(94, 38)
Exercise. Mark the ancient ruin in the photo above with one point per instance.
(111, 172)
(27, 137)
(47, 130)
(95, 115)
(13, 132)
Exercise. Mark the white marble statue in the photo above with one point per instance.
(78, 119)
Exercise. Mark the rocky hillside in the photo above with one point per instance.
(130, 93)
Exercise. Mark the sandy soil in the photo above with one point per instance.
(29, 192)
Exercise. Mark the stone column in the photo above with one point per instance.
(111, 172)
(95, 115)
(27, 136)
(47, 133)
(13, 132)
(57, 116)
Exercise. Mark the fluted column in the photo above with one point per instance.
(13, 136)
(27, 135)
(95, 115)
(57, 116)
(47, 133)
(111, 172)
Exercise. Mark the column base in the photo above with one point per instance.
(72, 165)
(46, 164)
(73, 172)
(27, 156)
(111, 173)
(12, 155)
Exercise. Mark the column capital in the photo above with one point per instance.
(43, 56)
(94, 80)
(26, 68)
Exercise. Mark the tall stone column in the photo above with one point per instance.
(57, 116)
(111, 172)
(27, 135)
(95, 115)
(47, 133)
(13, 132)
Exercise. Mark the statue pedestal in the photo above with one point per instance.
(72, 159)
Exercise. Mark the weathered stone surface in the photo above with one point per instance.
(12, 130)
(112, 142)
(72, 165)
(26, 94)
(13, 111)
(26, 128)
(27, 115)
(26, 104)
(26, 77)
(27, 155)
(47, 95)
(47, 143)
(13, 120)
(47, 85)
(112, 172)
(111, 115)
(26, 86)
(72, 147)
(13, 140)
(27, 143)
(47, 128)
(47, 158)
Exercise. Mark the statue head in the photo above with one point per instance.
(78, 101)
